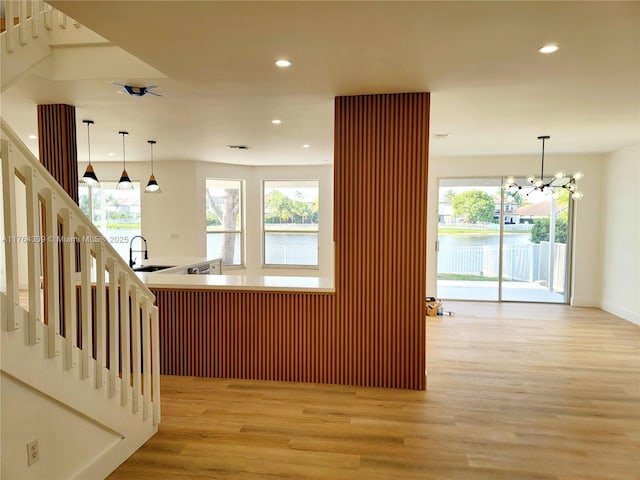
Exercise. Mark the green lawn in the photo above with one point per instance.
(473, 278)
(456, 230)
(459, 276)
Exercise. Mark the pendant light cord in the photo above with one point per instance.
(124, 160)
(88, 142)
(542, 163)
(151, 142)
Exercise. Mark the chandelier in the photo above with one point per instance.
(554, 186)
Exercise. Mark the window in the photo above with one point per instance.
(116, 213)
(290, 222)
(224, 220)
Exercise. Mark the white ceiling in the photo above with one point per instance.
(491, 89)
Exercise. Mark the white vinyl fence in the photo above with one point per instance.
(521, 262)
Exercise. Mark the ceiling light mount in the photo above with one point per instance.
(283, 63)
(554, 186)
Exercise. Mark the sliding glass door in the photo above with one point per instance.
(468, 239)
(493, 246)
(535, 270)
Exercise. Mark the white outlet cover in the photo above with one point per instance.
(33, 452)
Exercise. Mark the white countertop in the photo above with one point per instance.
(267, 283)
(237, 282)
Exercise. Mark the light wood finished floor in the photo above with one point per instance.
(514, 392)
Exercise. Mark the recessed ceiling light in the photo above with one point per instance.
(282, 63)
(549, 48)
(441, 135)
(111, 154)
(33, 137)
(276, 121)
(306, 145)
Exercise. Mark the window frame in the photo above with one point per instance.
(315, 266)
(114, 239)
(242, 223)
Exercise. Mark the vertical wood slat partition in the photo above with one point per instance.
(371, 332)
(58, 146)
(380, 210)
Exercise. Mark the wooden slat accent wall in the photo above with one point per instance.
(372, 330)
(380, 210)
(269, 336)
(57, 145)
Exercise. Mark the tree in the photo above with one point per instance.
(449, 195)
(277, 205)
(474, 206)
(540, 230)
(227, 216)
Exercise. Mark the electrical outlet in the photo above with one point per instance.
(33, 452)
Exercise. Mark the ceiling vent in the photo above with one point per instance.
(240, 147)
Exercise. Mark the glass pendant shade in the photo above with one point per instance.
(125, 182)
(90, 177)
(152, 186)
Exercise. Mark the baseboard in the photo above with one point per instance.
(584, 302)
(622, 312)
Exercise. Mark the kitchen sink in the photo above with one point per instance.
(151, 268)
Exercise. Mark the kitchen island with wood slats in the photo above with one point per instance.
(369, 331)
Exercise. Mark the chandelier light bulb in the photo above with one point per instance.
(578, 175)
(538, 183)
(577, 195)
(510, 181)
(531, 179)
(560, 175)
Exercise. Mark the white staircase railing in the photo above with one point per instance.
(85, 304)
(32, 16)
(30, 29)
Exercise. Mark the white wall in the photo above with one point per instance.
(174, 221)
(68, 442)
(587, 264)
(621, 234)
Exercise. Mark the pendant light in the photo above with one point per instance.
(554, 186)
(125, 182)
(152, 186)
(89, 178)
